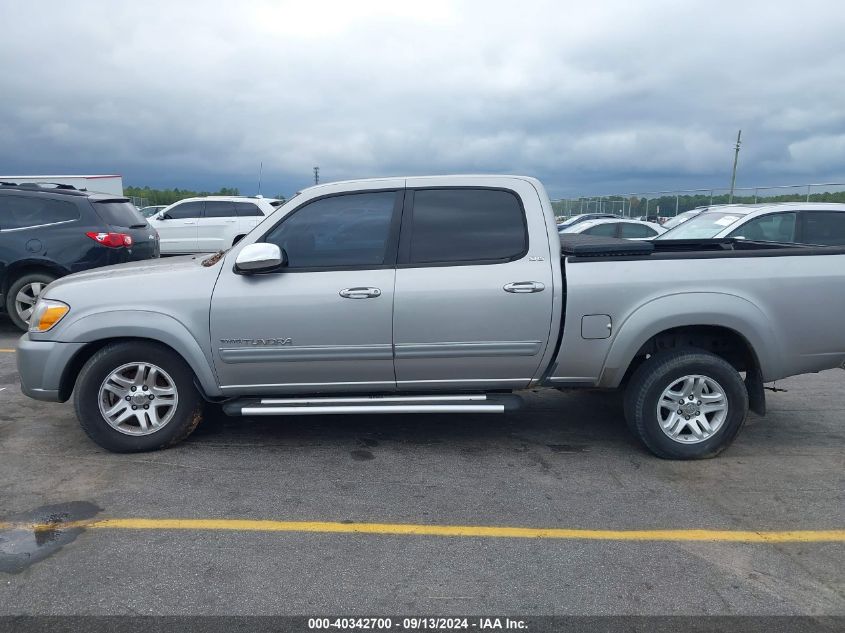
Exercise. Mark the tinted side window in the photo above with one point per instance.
(824, 227)
(18, 212)
(629, 229)
(247, 209)
(347, 230)
(605, 230)
(776, 227)
(454, 225)
(186, 210)
(219, 209)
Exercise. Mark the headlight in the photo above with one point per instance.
(47, 313)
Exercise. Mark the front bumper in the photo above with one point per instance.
(41, 365)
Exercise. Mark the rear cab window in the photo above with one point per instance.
(21, 212)
(120, 213)
(465, 226)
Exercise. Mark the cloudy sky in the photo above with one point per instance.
(592, 97)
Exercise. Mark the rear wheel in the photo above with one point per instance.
(687, 404)
(137, 396)
(22, 296)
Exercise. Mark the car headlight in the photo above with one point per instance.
(47, 313)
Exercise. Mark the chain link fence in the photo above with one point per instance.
(673, 202)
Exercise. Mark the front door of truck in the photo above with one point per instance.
(324, 322)
(474, 295)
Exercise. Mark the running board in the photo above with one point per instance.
(461, 403)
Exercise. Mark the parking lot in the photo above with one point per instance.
(565, 461)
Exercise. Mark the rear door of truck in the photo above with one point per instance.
(474, 294)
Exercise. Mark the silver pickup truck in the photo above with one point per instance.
(432, 295)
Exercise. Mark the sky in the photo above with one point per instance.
(595, 97)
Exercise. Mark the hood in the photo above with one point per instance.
(179, 287)
(146, 268)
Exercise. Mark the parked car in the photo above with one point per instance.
(150, 211)
(47, 232)
(626, 229)
(432, 295)
(209, 224)
(819, 223)
(583, 217)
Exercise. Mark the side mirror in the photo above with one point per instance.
(260, 257)
(163, 216)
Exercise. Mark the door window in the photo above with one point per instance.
(775, 227)
(185, 210)
(608, 229)
(219, 209)
(631, 230)
(467, 225)
(18, 212)
(824, 227)
(345, 230)
(247, 209)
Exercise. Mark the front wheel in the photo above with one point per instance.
(687, 404)
(137, 396)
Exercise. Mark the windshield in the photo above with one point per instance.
(702, 227)
(679, 219)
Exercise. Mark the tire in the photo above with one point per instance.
(110, 376)
(665, 378)
(29, 285)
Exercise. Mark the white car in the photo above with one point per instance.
(209, 224)
(821, 223)
(621, 227)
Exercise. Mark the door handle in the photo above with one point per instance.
(524, 286)
(360, 293)
(189, 222)
(230, 221)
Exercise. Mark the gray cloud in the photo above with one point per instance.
(597, 98)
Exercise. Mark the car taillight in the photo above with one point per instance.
(112, 240)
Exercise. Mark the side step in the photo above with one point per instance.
(459, 403)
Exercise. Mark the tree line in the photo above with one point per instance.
(169, 196)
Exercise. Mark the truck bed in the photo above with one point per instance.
(619, 294)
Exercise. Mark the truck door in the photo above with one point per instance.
(323, 323)
(474, 294)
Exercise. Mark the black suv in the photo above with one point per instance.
(50, 231)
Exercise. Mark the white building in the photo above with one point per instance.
(111, 184)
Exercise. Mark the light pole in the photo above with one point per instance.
(736, 158)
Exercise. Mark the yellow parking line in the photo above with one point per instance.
(250, 525)
(8, 351)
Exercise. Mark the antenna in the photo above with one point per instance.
(260, 172)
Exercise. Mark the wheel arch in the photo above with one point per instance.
(18, 269)
(729, 326)
(156, 328)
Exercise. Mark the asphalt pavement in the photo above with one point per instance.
(565, 461)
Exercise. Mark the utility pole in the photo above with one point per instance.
(316, 175)
(260, 171)
(736, 158)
